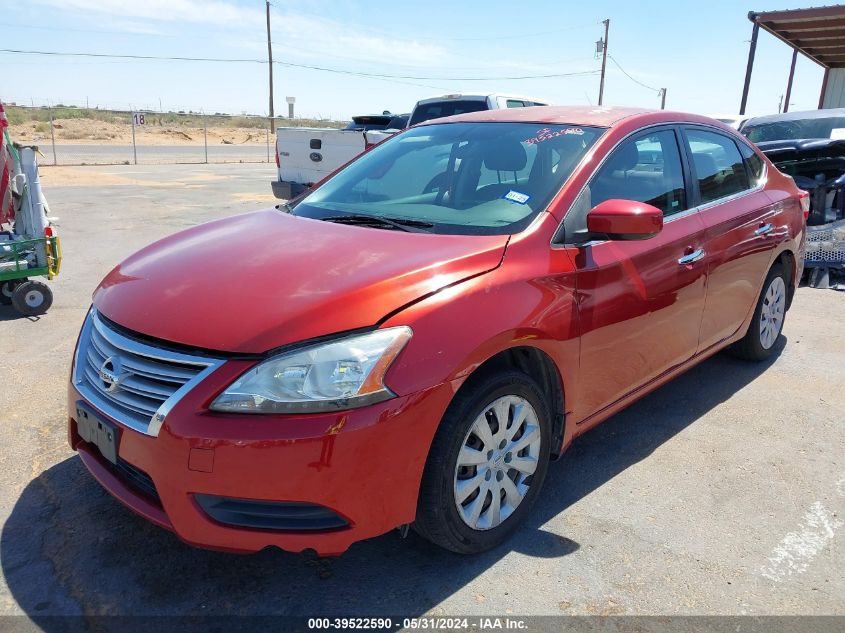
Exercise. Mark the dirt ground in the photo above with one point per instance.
(86, 131)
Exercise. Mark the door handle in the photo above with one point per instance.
(765, 229)
(692, 257)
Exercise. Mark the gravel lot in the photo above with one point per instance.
(721, 493)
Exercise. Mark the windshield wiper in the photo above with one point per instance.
(400, 224)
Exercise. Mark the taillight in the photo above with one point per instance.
(804, 199)
(277, 157)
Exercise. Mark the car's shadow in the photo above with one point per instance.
(69, 548)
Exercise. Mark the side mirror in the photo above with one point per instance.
(625, 220)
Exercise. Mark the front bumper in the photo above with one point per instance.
(364, 465)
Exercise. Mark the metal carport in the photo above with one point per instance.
(818, 33)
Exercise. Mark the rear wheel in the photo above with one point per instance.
(32, 298)
(487, 464)
(6, 290)
(767, 322)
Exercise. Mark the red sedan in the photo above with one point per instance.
(414, 340)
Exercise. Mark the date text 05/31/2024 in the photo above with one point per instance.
(422, 623)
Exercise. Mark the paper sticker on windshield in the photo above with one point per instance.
(837, 133)
(516, 196)
(546, 133)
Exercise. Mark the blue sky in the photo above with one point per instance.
(697, 50)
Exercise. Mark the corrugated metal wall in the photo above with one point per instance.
(834, 96)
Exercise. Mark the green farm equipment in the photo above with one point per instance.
(29, 247)
(20, 260)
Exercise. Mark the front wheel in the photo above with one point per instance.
(767, 322)
(486, 465)
(32, 298)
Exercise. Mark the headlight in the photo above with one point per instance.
(343, 374)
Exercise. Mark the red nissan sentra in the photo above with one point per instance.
(415, 339)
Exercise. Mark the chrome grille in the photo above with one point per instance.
(135, 383)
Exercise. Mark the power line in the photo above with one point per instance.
(292, 65)
(636, 81)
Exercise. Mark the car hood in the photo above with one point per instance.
(253, 282)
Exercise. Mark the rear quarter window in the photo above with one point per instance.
(756, 166)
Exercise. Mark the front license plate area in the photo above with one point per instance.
(97, 431)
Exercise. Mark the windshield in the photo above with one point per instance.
(459, 178)
(829, 127)
(440, 109)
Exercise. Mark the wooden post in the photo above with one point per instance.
(270, 64)
(603, 59)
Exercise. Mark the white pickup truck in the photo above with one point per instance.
(305, 156)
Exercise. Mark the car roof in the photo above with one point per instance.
(797, 116)
(595, 116)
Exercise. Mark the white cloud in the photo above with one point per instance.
(174, 11)
(308, 36)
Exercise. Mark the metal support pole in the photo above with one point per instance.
(749, 67)
(824, 87)
(603, 59)
(663, 98)
(53, 138)
(134, 148)
(789, 81)
(205, 136)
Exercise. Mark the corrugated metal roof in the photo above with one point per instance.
(817, 32)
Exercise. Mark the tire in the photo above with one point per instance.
(32, 298)
(439, 519)
(766, 325)
(6, 290)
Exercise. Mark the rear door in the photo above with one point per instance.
(639, 302)
(740, 226)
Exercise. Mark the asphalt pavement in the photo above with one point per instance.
(721, 493)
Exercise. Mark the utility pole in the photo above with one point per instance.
(780, 104)
(270, 65)
(603, 59)
(663, 98)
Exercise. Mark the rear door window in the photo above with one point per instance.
(717, 164)
(440, 109)
(645, 169)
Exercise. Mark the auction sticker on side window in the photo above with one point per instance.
(516, 196)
